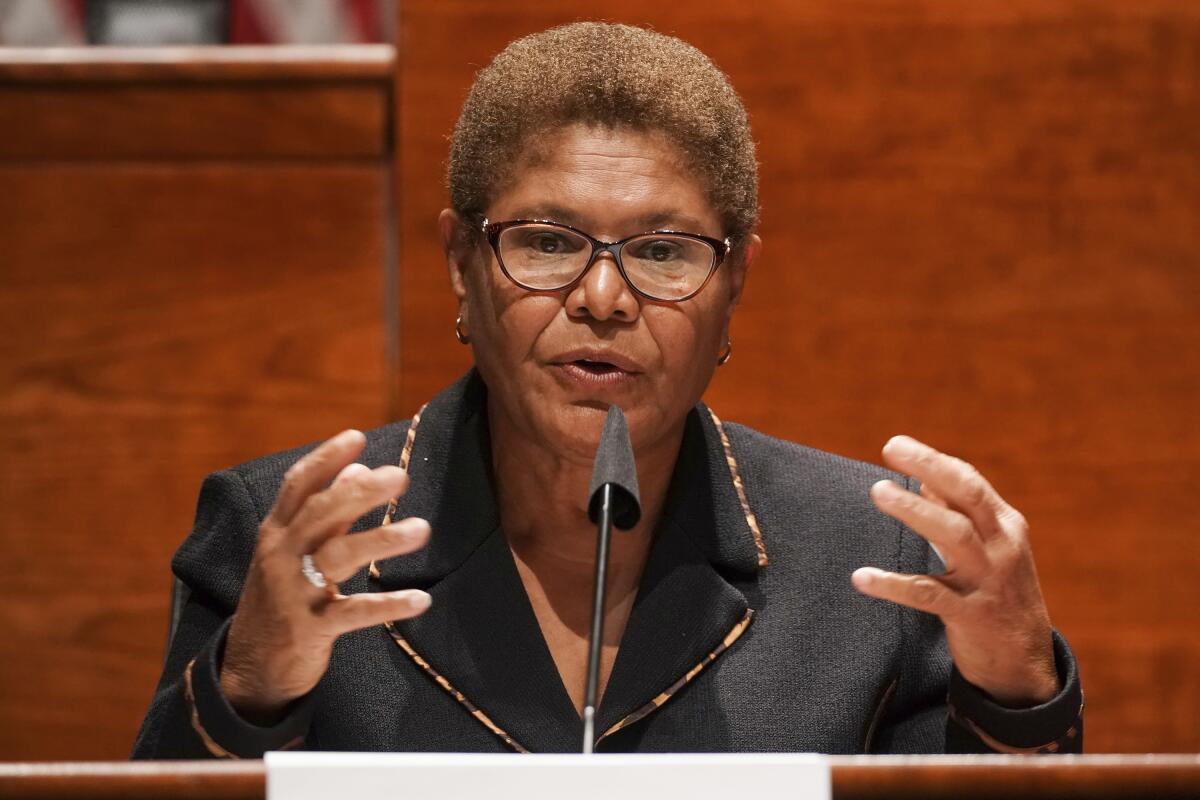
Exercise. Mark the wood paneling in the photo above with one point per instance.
(980, 227)
(276, 103)
(162, 318)
(193, 121)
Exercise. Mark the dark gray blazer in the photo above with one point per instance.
(746, 634)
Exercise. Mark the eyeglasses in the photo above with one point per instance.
(544, 256)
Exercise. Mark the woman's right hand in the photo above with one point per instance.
(282, 634)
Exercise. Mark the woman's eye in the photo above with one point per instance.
(544, 243)
(659, 251)
(547, 244)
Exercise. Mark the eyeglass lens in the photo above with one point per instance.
(662, 265)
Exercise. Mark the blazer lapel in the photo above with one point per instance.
(480, 639)
(686, 613)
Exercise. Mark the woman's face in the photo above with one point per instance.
(555, 361)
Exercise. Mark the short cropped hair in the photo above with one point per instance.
(614, 76)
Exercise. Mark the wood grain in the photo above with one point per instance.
(164, 316)
(158, 324)
(852, 778)
(196, 102)
(285, 120)
(980, 229)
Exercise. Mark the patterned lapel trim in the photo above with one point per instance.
(736, 476)
(405, 455)
(441, 680)
(659, 701)
(402, 643)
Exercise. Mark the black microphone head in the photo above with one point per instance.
(614, 464)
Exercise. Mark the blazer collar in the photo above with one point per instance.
(481, 636)
(450, 467)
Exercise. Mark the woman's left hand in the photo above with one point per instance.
(997, 626)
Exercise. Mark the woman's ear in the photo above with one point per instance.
(739, 266)
(456, 242)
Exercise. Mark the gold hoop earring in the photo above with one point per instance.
(458, 332)
(724, 357)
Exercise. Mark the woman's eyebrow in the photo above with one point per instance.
(658, 220)
(548, 212)
(673, 220)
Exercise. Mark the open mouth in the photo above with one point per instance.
(596, 367)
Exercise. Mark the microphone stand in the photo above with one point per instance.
(613, 499)
(603, 537)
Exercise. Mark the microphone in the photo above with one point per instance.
(613, 499)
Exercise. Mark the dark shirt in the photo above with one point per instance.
(746, 634)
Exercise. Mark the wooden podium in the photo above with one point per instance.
(858, 777)
(208, 254)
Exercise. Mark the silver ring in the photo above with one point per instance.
(309, 570)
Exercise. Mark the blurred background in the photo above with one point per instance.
(217, 239)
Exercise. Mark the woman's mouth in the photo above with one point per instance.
(595, 367)
(589, 370)
(587, 373)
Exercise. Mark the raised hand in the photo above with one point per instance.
(997, 626)
(283, 630)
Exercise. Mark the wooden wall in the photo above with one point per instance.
(192, 250)
(982, 227)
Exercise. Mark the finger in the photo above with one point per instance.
(342, 556)
(333, 511)
(349, 471)
(954, 480)
(922, 592)
(352, 612)
(952, 534)
(312, 472)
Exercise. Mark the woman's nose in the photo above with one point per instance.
(603, 294)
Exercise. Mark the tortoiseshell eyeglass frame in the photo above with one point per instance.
(492, 231)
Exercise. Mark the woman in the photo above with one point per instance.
(604, 195)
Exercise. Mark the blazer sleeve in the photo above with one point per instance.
(189, 717)
(933, 709)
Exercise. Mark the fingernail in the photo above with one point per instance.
(863, 577)
(901, 446)
(419, 600)
(886, 490)
(390, 474)
(408, 530)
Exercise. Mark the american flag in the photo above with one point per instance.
(53, 23)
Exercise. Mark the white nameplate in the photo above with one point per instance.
(297, 775)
